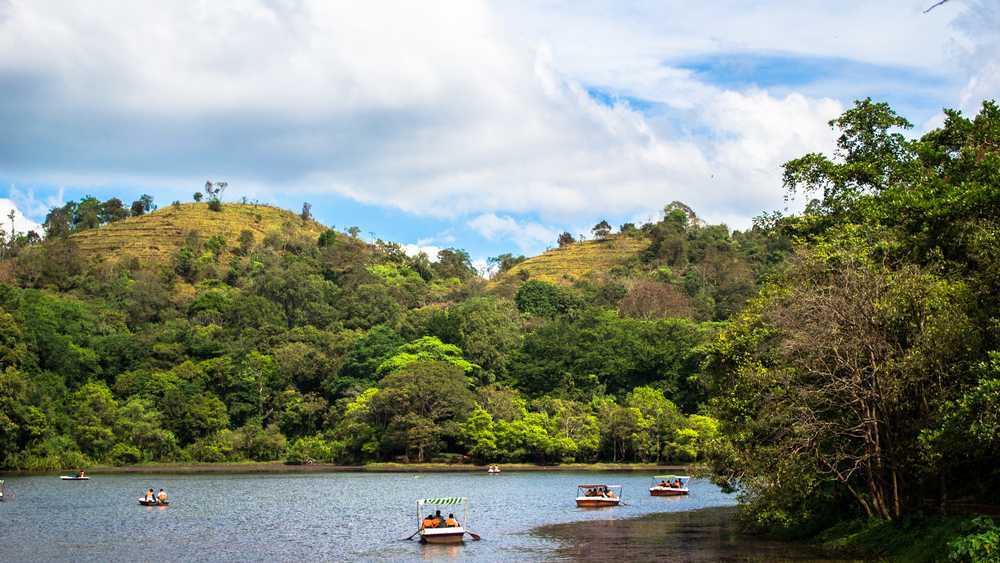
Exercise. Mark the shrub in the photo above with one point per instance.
(309, 449)
(125, 454)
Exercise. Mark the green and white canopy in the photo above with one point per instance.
(441, 501)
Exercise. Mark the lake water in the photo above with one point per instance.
(296, 517)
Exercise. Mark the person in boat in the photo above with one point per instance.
(678, 484)
(428, 522)
(451, 522)
(148, 497)
(81, 474)
(664, 483)
(438, 519)
(161, 497)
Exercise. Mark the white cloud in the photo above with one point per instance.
(444, 109)
(979, 52)
(21, 223)
(414, 250)
(526, 235)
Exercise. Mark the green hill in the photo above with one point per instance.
(160, 234)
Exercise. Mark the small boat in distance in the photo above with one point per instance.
(445, 534)
(669, 485)
(145, 502)
(598, 496)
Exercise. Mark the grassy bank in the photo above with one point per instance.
(279, 467)
(917, 539)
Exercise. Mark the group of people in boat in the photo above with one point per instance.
(675, 484)
(600, 492)
(158, 498)
(437, 521)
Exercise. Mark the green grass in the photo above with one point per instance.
(912, 540)
(158, 235)
(577, 261)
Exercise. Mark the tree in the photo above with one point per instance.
(601, 230)
(354, 232)
(505, 262)
(422, 403)
(306, 214)
(454, 263)
(565, 239)
(198, 196)
(426, 349)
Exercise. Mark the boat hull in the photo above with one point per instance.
(597, 502)
(66, 478)
(153, 503)
(443, 535)
(667, 492)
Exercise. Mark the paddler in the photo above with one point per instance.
(428, 522)
(161, 497)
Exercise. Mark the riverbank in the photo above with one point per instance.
(279, 467)
(698, 536)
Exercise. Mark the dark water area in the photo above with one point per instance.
(313, 517)
(709, 534)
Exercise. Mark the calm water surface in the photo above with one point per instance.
(330, 517)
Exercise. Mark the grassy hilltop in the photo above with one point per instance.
(160, 234)
(576, 261)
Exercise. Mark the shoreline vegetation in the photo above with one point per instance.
(281, 467)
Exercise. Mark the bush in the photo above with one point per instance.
(125, 454)
(981, 542)
(309, 449)
(215, 205)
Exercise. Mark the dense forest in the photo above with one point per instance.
(329, 348)
(839, 362)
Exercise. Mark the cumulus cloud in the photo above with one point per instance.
(22, 224)
(443, 109)
(979, 52)
(526, 234)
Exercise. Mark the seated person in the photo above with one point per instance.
(161, 497)
(82, 473)
(428, 522)
(149, 496)
(663, 484)
(678, 484)
(451, 522)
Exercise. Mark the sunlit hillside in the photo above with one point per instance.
(158, 235)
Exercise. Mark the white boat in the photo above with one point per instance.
(666, 486)
(74, 478)
(446, 535)
(598, 496)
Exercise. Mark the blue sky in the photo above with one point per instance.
(487, 126)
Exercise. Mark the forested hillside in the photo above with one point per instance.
(215, 331)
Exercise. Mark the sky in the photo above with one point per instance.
(488, 126)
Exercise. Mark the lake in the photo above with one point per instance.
(295, 517)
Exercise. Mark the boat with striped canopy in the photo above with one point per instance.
(453, 534)
(669, 485)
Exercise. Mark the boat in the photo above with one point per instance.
(598, 496)
(145, 502)
(663, 486)
(494, 469)
(74, 478)
(453, 535)
(6, 493)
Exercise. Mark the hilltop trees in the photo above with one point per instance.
(601, 230)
